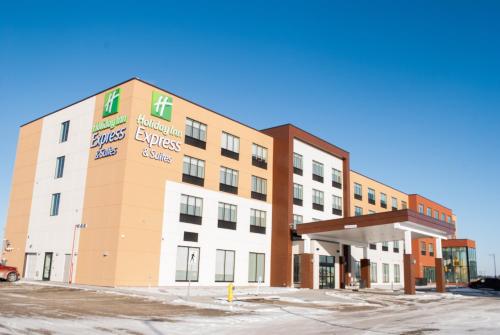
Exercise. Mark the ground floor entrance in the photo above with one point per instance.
(326, 271)
(47, 266)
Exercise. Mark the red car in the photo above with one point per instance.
(8, 273)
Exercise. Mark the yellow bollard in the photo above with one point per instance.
(230, 288)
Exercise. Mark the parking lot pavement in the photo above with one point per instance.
(36, 308)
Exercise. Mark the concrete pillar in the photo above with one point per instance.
(365, 272)
(408, 265)
(307, 244)
(440, 282)
(306, 271)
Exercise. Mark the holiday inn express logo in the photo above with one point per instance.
(161, 106)
(111, 102)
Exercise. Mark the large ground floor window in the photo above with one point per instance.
(373, 272)
(397, 273)
(256, 266)
(430, 274)
(385, 269)
(224, 265)
(187, 266)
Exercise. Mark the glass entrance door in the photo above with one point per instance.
(47, 266)
(326, 271)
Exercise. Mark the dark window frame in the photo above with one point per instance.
(55, 204)
(190, 236)
(60, 162)
(195, 142)
(230, 154)
(64, 132)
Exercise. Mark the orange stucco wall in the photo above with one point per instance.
(425, 260)
(18, 215)
(124, 196)
(379, 187)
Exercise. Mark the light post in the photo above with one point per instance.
(77, 226)
(494, 264)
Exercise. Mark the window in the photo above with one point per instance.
(318, 200)
(422, 248)
(394, 204)
(186, 268)
(227, 216)
(421, 208)
(385, 246)
(404, 205)
(383, 200)
(429, 212)
(191, 209)
(336, 178)
(63, 136)
(395, 246)
(259, 156)
(60, 166)
(190, 236)
(193, 171)
(297, 164)
(443, 217)
(317, 171)
(397, 273)
(436, 215)
(54, 204)
(297, 219)
(371, 196)
(448, 219)
(296, 269)
(371, 212)
(259, 188)
(356, 270)
(336, 205)
(358, 211)
(196, 133)
(373, 246)
(358, 191)
(373, 272)
(228, 180)
(297, 194)
(256, 265)
(257, 221)
(431, 249)
(224, 265)
(230, 146)
(385, 269)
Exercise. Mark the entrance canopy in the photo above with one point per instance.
(379, 227)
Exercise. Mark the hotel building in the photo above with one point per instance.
(136, 186)
(143, 188)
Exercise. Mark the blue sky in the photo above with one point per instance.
(412, 91)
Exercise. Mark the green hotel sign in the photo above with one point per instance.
(111, 102)
(161, 106)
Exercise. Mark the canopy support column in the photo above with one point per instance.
(408, 263)
(365, 269)
(440, 282)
